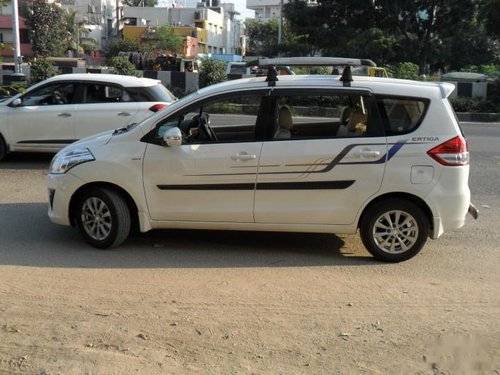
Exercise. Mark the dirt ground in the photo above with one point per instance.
(186, 302)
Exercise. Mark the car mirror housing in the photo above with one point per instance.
(17, 102)
(173, 137)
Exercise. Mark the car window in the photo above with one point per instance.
(102, 93)
(150, 94)
(310, 116)
(228, 119)
(402, 115)
(54, 94)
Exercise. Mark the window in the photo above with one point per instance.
(55, 94)
(402, 115)
(324, 116)
(98, 93)
(229, 119)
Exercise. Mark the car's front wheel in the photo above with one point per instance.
(394, 230)
(103, 218)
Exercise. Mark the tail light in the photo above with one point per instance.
(454, 152)
(157, 107)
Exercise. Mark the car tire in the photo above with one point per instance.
(103, 218)
(3, 148)
(394, 230)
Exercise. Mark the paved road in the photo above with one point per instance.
(311, 293)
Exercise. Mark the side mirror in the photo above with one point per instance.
(173, 137)
(16, 102)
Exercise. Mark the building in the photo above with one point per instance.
(269, 9)
(210, 28)
(7, 37)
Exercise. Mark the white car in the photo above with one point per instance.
(289, 153)
(68, 107)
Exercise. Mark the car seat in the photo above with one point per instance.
(285, 124)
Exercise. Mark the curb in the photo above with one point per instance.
(478, 117)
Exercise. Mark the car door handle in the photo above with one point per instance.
(367, 154)
(64, 114)
(123, 114)
(243, 156)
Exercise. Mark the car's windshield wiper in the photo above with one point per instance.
(124, 129)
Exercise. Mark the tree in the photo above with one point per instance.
(46, 24)
(121, 65)
(164, 39)
(140, 3)
(263, 39)
(491, 15)
(212, 71)
(122, 45)
(41, 68)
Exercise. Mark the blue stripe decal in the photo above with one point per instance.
(394, 149)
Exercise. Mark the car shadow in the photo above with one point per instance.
(30, 239)
(28, 160)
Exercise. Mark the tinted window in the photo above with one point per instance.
(402, 115)
(158, 93)
(54, 94)
(231, 119)
(101, 93)
(324, 116)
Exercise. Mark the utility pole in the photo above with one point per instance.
(280, 23)
(16, 42)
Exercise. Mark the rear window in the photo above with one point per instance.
(402, 115)
(157, 93)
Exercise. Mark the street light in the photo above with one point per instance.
(280, 23)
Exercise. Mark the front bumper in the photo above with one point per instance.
(61, 188)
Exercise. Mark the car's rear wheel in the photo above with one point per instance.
(394, 230)
(103, 218)
(3, 148)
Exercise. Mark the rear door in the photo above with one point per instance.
(103, 107)
(325, 170)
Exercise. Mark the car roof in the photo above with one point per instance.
(126, 81)
(386, 86)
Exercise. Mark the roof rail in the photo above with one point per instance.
(314, 61)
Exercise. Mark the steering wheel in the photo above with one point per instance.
(58, 98)
(204, 129)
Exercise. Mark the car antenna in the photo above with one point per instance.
(272, 76)
(346, 76)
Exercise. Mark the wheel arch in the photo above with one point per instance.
(404, 196)
(106, 185)
(4, 148)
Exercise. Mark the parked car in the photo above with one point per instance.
(280, 153)
(65, 108)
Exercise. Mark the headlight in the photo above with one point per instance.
(64, 161)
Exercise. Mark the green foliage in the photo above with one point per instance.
(41, 68)
(46, 24)
(212, 71)
(165, 40)
(263, 39)
(491, 15)
(121, 65)
(404, 70)
(122, 45)
(432, 34)
(140, 3)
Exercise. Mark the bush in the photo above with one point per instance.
(121, 65)
(405, 70)
(42, 68)
(212, 71)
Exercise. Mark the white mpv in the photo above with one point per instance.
(289, 153)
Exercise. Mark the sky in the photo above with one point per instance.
(239, 5)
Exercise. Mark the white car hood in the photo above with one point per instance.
(95, 140)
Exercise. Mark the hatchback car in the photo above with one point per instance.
(65, 108)
(289, 153)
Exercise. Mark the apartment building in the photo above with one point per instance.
(7, 36)
(269, 9)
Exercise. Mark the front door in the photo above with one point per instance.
(211, 176)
